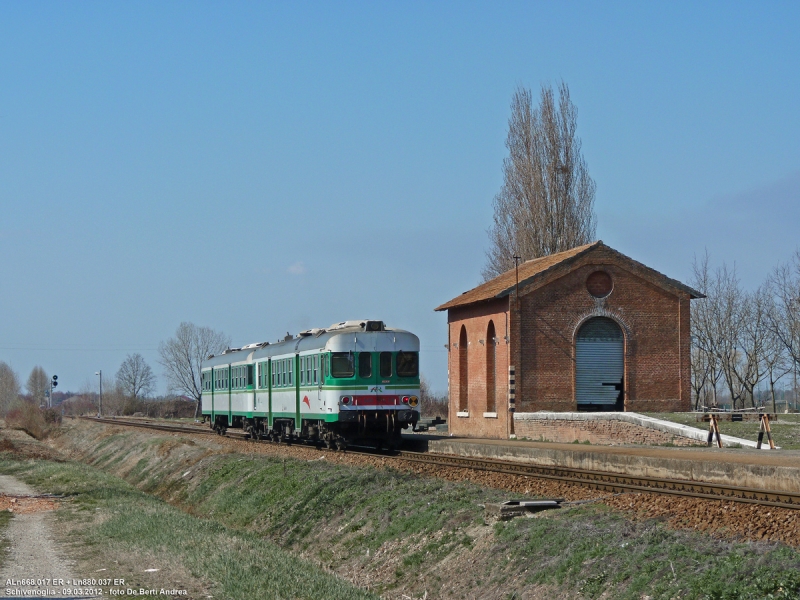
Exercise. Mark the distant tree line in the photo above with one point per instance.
(131, 390)
(744, 341)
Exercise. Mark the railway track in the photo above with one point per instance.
(600, 480)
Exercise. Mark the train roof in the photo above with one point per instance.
(335, 338)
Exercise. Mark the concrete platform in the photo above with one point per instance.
(577, 425)
(776, 470)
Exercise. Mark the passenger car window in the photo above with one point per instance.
(386, 364)
(365, 365)
(342, 364)
(407, 364)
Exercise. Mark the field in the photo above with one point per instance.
(237, 525)
(785, 431)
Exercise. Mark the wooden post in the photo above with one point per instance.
(713, 429)
(762, 428)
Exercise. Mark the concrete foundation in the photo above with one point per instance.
(778, 471)
(614, 429)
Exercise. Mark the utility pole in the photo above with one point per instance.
(100, 403)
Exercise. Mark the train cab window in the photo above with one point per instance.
(342, 364)
(407, 364)
(386, 364)
(365, 365)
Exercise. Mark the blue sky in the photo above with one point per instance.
(264, 167)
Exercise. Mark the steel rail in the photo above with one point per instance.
(601, 480)
(162, 426)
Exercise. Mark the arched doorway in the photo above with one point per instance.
(463, 374)
(600, 365)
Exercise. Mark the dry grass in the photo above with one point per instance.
(34, 421)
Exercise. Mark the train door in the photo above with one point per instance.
(294, 379)
(270, 384)
(368, 372)
(319, 367)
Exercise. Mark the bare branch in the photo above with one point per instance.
(183, 355)
(135, 377)
(546, 204)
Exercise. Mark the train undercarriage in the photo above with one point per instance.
(376, 429)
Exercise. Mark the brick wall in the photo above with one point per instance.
(475, 320)
(655, 325)
(605, 432)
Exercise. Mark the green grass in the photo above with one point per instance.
(594, 550)
(116, 517)
(785, 431)
(342, 513)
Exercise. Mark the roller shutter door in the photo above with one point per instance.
(600, 363)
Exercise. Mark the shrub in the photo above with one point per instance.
(32, 420)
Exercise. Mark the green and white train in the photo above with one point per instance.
(356, 382)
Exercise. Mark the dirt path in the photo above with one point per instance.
(33, 550)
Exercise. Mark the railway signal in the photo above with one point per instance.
(53, 383)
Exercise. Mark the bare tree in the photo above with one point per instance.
(753, 341)
(546, 204)
(728, 329)
(785, 315)
(135, 377)
(37, 385)
(785, 318)
(776, 362)
(9, 388)
(183, 355)
(706, 367)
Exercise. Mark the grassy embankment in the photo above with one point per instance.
(401, 533)
(111, 523)
(785, 431)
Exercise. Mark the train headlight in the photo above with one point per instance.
(345, 400)
(413, 401)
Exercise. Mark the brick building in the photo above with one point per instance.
(590, 330)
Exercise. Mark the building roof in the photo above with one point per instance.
(532, 270)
